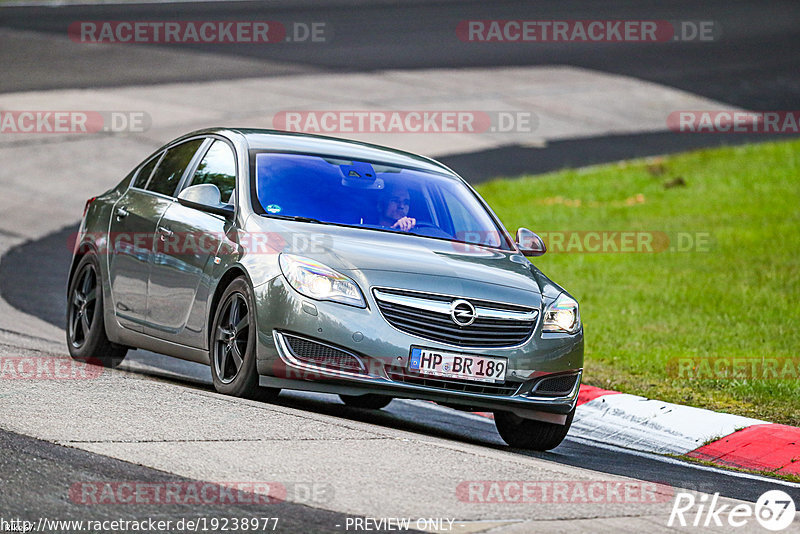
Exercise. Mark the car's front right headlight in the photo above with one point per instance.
(562, 315)
(318, 281)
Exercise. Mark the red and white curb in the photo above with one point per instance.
(661, 427)
(651, 425)
(761, 447)
(638, 423)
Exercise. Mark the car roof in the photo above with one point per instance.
(277, 140)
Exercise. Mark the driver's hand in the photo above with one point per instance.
(405, 224)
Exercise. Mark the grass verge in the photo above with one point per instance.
(673, 324)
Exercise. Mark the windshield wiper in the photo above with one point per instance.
(298, 218)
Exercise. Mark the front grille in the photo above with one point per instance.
(555, 386)
(407, 377)
(321, 354)
(408, 315)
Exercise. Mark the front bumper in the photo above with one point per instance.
(384, 351)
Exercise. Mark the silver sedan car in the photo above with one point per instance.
(290, 261)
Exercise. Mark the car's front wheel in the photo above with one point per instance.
(233, 345)
(86, 331)
(369, 401)
(529, 434)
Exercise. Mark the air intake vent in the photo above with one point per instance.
(322, 355)
(557, 386)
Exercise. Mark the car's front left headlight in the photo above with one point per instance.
(318, 281)
(562, 315)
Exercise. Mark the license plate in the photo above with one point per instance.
(454, 365)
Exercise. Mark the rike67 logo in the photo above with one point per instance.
(774, 510)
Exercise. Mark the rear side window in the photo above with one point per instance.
(145, 172)
(218, 167)
(173, 164)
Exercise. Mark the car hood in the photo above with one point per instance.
(428, 264)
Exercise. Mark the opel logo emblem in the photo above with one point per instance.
(462, 312)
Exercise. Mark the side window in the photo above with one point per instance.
(145, 172)
(218, 167)
(173, 164)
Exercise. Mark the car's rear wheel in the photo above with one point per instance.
(86, 330)
(233, 345)
(369, 401)
(529, 434)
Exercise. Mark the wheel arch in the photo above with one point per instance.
(87, 247)
(233, 272)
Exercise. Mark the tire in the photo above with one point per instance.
(86, 329)
(370, 401)
(529, 434)
(232, 345)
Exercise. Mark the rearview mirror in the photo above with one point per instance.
(205, 197)
(529, 243)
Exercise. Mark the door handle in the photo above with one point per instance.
(122, 213)
(165, 232)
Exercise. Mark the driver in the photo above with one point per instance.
(393, 208)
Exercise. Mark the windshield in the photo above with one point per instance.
(373, 196)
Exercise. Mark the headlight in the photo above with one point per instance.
(318, 281)
(562, 316)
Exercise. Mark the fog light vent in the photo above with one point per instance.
(322, 354)
(557, 386)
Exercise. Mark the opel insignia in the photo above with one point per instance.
(300, 262)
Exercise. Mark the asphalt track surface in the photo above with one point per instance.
(18, 274)
(45, 473)
(753, 61)
(754, 65)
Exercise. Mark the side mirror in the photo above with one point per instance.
(529, 243)
(205, 197)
